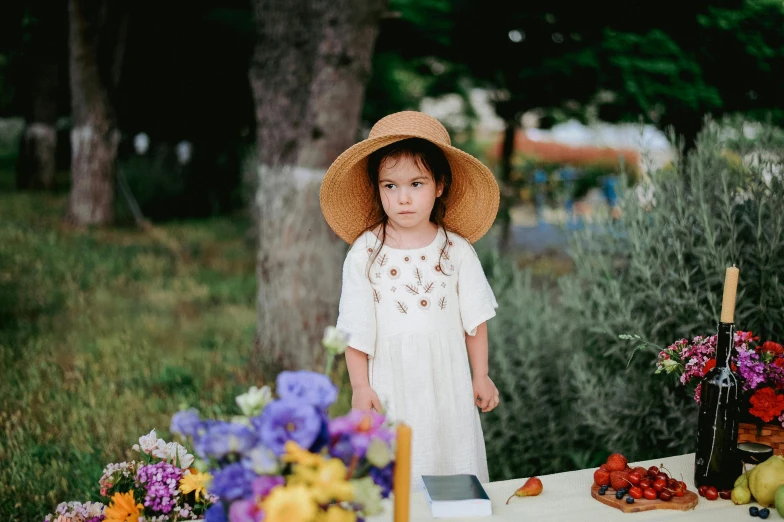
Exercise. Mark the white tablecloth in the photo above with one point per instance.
(567, 496)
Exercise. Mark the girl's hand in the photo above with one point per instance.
(364, 398)
(485, 393)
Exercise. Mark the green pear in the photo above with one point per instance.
(741, 495)
(743, 480)
(780, 500)
(765, 479)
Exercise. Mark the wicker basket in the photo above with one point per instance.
(769, 434)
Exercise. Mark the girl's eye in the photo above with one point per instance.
(389, 186)
(417, 184)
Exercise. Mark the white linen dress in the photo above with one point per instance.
(410, 314)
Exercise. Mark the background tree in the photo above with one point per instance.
(43, 60)
(97, 38)
(308, 75)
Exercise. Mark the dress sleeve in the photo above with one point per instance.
(357, 312)
(477, 301)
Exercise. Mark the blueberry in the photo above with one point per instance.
(754, 511)
(623, 491)
(618, 495)
(602, 491)
(629, 500)
(764, 512)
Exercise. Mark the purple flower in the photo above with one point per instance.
(262, 485)
(359, 428)
(232, 482)
(215, 513)
(223, 438)
(245, 511)
(186, 423)
(161, 482)
(751, 369)
(383, 477)
(309, 387)
(287, 419)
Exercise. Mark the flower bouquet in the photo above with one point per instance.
(761, 367)
(284, 459)
(159, 486)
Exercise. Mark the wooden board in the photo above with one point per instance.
(684, 503)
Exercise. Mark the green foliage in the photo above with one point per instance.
(572, 395)
(659, 273)
(528, 433)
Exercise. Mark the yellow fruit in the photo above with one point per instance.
(741, 495)
(765, 479)
(743, 480)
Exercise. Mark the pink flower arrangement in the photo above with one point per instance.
(761, 368)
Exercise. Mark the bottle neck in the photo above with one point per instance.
(725, 344)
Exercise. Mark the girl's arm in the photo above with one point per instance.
(485, 393)
(363, 397)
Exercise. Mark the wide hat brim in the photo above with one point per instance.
(347, 196)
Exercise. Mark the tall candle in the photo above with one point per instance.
(730, 291)
(402, 476)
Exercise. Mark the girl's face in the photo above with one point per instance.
(407, 192)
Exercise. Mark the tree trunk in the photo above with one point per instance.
(504, 214)
(44, 61)
(95, 52)
(308, 76)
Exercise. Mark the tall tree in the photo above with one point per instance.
(42, 61)
(308, 75)
(97, 31)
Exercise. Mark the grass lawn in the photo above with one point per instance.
(104, 334)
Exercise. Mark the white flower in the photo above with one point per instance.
(334, 340)
(178, 455)
(368, 495)
(161, 450)
(148, 443)
(253, 401)
(378, 453)
(263, 461)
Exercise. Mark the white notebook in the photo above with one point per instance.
(456, 496)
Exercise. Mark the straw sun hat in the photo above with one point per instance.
(347, 197)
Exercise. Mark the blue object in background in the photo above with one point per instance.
(610, 186)
(540, 179)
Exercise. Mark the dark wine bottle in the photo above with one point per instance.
(717, 460)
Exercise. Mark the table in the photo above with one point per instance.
(567, 497)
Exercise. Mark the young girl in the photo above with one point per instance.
(415, 300)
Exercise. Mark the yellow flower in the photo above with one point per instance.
(289, 503)
(337, 514)
(192, 480)
(123, 508)
(327, 481)
(295, 453)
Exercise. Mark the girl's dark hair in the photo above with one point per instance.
(429, 158)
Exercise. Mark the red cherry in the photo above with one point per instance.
(701, 490)
(635, 492)
(726, 494)
(650, 493)
(663, 475)
(680, 490)
(634, 478)
(645, 483)
(672, 483)
(711, 493)
(665, 496)
(659, 484)
(652, 471)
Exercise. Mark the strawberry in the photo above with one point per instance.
(601, 477)
(619, 479)
(616, 462)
